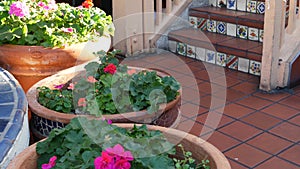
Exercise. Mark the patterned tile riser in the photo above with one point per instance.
(44, 126)
(221, 59)
(251, 6)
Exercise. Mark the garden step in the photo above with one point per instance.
(208, 47)
(234, 23)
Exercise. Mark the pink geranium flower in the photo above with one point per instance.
(104, 162)
(60, 86)
(122, 164)
(91, 79)
(119, 152)
(19, 9)
(67, 30)
(110, 68)
(82, 102)
(51, 164)
(71, 86)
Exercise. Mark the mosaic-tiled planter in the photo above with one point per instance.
(200, 149)
(44, 120)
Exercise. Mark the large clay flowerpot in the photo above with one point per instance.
(30, 64)
(44, 119)
(199, 148)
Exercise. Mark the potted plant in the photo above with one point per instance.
(106, 88)
(40, 37)
(86, 143)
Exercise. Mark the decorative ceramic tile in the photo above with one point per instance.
(253, 34)
(221, 27)
(251, 6)
(221, 3)
(260, 8)
(201, 24)
(191, 51)
(243, 65)
(172, 46)
(210, 56)
(261, 35)
(231, 4)
(255, 67)
(221, 59)
(231, 29)
(181, 49)
(200, 54)
(193, 21)
(213, 3)
(242, 31)
(232, 62)
(211, 25)
(241, 5)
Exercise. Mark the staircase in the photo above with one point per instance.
(226, 33)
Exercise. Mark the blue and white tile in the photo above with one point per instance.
(193, 21)
(260, 8)
(200, 53)
(242, 31)
(211, 25)
(221, 27)
(261, 35)
(231, 4)
(190, 51)
(201, 24)
(232, 62)
(251, 6)
(243, 65)
(241, 5)
(210, 56)
(172, 46)
(221, 3)
(213, 3)
(253, 34)
(255, 68)
(221, 59)
(231, 29)
(181, 48)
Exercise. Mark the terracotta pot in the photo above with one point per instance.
(199, 148)
(30, 64)
(44, 119)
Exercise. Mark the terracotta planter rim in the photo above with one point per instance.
(42, 111)
(216, 157)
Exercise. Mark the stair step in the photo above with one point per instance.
(229, 16)
(251, 6)
(240, 54)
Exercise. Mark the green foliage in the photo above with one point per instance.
(113, 93)
(45, 27)
(188, 162)
(81, 141)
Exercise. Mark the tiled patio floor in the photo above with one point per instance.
(253, 129)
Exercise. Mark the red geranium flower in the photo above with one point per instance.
(88, 4)
(110, 68)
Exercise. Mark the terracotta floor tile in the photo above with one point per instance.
(191, 110)
(211, 102)
(254, 102)
(276, 163)
(246, 87)
(269, 143)
(221, 141)
(288, 131)
(189, 94)
(197, 64)
(240, 131)
(187, 81)
(295, 120)
(280, 111)
(213, 119)
(234, 95)
(261, 120)
(292, 101)
(272, 97)
(292, 154)
(247, 155)
(235, 165)
(194, 128)
(202, 74)
(226, 81)
(235, 110)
